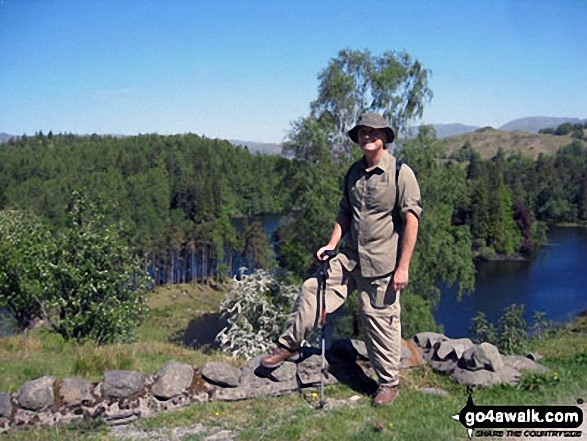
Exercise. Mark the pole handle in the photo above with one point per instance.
(329, 254)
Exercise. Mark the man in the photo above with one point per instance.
(369, 260)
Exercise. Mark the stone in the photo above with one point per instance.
(5, 405)
(522, 363)
(509, 375)
(74, 392)
(487, 356)
(221, 374)
(309, 370)
(411, 355)
(172, 379)
(444, 367)
(453, 348)
(480, 378)
(427, 340)
(122, 384)
(37, 395)
(256, 381)
(286, 372)
(468, 362)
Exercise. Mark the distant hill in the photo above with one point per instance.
(487, 142)
(446, 130)
(266, 148)
(5, 137)
(534, 123)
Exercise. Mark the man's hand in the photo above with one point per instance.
(320, 252)
(400, 279)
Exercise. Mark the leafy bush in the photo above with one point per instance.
(26, 251)
(535, 380)
(84, 279)
(100, 284)
(256, 309)
(512, 332)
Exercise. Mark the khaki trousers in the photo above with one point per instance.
(380, 314)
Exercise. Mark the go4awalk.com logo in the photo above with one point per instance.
(526, 421)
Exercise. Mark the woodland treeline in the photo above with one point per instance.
(179, 196)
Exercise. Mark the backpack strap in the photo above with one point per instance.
(395, 214)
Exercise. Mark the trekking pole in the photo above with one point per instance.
(324, 274)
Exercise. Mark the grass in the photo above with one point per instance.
(46, 353)
(414, 415)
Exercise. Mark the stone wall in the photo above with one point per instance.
(122, 397)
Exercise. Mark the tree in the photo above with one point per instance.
(99, 286)
(355, 82)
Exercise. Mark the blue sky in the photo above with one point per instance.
(247, 69)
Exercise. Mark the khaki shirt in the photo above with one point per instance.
(371, 239)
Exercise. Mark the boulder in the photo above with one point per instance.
(310, 371)
(453, 348)
(411, 355)
(172, 379)
(221, 374)
(427, 340)
(487, 356)
(480, 378)
(256, 381)
(74, 392)
(5, 405)
(285, 372)
(37, 394)
(444, 367)
(122, 384)
(522, 363)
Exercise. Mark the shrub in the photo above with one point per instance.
(27, 248)
(100, 284)
(512, 332)
(84, 279)
(256, 309)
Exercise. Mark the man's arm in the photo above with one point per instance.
(408, 238)
(340, 226)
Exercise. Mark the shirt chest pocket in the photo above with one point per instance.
(379, 196)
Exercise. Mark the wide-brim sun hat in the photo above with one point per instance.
(375, 121)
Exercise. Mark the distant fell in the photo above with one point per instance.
(5, 137)
(265, 148)
(487, 141)
(446, 130)
(534, 123)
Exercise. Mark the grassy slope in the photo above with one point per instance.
(414, 416)
(487, 142)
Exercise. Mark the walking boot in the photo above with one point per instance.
(276, 359)
(385, 395)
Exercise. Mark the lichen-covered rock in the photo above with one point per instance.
(173, 379)
(221, 374)
(122, 384)
(5, 405)
(74, 392)
(37, 395)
